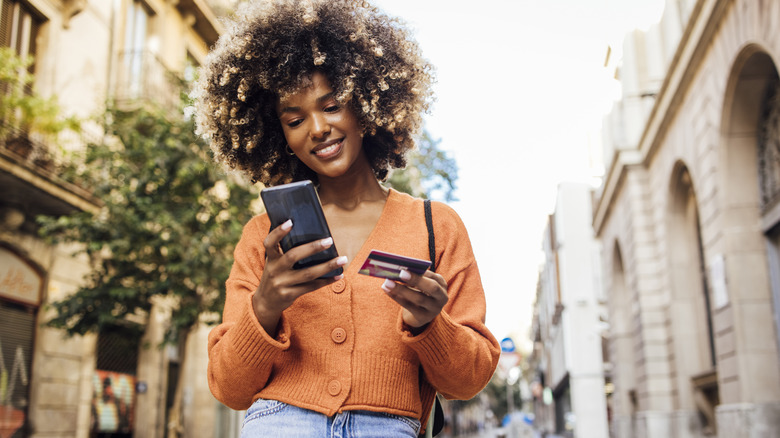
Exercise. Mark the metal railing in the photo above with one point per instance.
(27, 146)
(142, 77)
(46, 155)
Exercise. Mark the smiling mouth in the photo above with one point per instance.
(329, 150)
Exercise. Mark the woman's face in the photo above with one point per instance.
(322, 133)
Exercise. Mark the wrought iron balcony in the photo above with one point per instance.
(141, 77)
(30, 173)
(25, 147)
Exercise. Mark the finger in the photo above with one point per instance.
(407, 304)
(301, 252)
(429, 283)
(282, 285)
(311, 275)
(415, 314)
(304, 288)
(272, 240)
(437, 278)
(406, 296)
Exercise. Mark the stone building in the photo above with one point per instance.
(567, 325)
(88, 51)
(688, 219)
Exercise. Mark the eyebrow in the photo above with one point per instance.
(293, 109)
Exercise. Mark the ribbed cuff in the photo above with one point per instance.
(253, 344)
(432, 344)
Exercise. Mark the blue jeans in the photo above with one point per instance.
(270, 418)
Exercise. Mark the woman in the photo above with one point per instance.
(334, 91)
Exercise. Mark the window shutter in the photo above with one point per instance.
(17, 328)
(5, 24)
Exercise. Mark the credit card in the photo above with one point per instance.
(386, 265)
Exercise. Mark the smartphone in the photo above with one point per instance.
(300, 203)
(386, 265)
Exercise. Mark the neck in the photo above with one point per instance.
(350, 190)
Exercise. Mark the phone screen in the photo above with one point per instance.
(299, 202)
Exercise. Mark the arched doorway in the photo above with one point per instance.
(689, 314)
(750, 211)
(768, 144)
(21, 289)
(622, 321)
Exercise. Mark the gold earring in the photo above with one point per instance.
(288, 150)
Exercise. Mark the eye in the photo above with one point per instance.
(332, 108)
(294, 123)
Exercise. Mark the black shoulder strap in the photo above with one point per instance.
(431, 236)
(437, 411)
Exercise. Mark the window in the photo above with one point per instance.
(136, 30)
(768, 143)
(19, 26)
(136, 44)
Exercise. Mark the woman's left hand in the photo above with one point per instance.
(421, 296)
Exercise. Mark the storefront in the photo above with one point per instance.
(21, 287)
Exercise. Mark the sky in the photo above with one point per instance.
(521, 90)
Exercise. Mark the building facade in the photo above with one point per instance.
(87, 52)
(568, 323)
(688, 216)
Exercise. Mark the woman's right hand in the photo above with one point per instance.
(280, 284)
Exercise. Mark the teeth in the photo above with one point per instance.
(328, 149)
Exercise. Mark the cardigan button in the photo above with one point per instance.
(338, 335)
(334, 387)
(338, 286)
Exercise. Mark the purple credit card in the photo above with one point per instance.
(385, 265)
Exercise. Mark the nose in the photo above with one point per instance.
(320, 127)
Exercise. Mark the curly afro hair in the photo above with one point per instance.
(270, 51)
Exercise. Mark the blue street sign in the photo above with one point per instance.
(507, 345)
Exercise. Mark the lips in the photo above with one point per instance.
(328, 149)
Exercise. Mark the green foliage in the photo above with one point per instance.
(20, 106)
(430, 172)
(168, 224)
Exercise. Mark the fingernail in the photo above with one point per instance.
(326, 242)
(338, 277)
(405, 276)
(287, 225)
(341, 261)
(388, 285)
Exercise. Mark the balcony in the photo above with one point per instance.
(30, 175)
(141, 78)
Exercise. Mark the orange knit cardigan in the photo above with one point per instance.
(343, 347)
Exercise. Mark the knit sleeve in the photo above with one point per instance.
(457, 351)
(240, 351)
